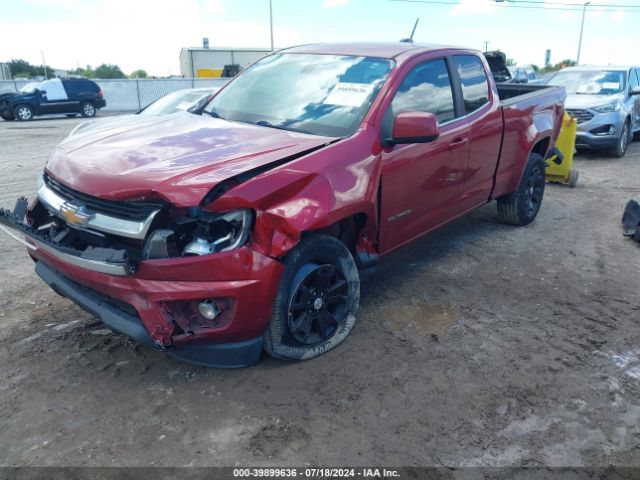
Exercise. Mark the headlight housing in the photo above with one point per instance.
(608, 108)
(217, 233)
(200, 233)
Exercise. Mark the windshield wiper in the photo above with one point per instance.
(265, 123)
(213, 114)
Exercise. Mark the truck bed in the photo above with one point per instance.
(526, 110)
(512, 93)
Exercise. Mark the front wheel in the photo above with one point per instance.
(23, 113)
(317, 300)
(88, 109)
(521, 207)
(623, 141)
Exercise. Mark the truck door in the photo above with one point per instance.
(55, 99)
(422, 182)
(482, 108)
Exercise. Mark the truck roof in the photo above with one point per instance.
(378, 49)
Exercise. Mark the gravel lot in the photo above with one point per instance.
(479, 345)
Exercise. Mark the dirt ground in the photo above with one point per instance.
(479, 345)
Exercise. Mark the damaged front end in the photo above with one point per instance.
(184, 280)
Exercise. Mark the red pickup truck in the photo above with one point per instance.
(214, 236)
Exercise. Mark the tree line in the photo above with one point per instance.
(21, 68)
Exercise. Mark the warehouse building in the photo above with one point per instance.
(204, 62)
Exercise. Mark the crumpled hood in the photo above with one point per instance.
(177, 157)
(582, 101)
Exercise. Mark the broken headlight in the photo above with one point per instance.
(220, 232)
(200, 233)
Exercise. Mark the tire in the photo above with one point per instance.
(623, 141)
(521, 207)
(7, 118)
(573, 178)
(71, 115)
(318, 268)
(88, 109)
(23, 113)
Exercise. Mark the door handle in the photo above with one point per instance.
(458, 143)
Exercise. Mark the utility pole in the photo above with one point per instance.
(271, 22)
(584, 14)
(486, 46)
(44, 66)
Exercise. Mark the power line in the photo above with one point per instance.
(539, 6)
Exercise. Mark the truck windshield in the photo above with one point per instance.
(590, 82)
(29, 87)
(317, 94)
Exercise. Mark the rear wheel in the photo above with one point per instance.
(316, 302)
(23, 113)
(521, 207)
(88, 109)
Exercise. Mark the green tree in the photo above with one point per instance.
(109, 71)
(559, 66)
(22, 68)
(511, 62)
(83, 72)
(139, 74)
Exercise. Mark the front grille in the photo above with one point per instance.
(581, 116)
(129, 210)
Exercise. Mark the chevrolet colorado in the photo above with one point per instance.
(214, 237)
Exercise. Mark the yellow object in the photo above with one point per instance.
(209, 73)
(564, 172)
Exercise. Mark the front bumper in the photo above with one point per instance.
(585, 138)
(145, 303)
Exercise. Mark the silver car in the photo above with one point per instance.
(606, 103)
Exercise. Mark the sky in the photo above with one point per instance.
(149, 34)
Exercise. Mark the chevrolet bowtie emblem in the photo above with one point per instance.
(75, 215)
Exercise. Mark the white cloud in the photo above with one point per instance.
(334, 3)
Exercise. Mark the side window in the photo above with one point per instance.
(531, 75)
(426, 88)
(633, 79)
(475, 86)
(69, 87)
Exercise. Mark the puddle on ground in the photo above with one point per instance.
(420, 318)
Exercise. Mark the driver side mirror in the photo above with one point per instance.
(42, 92)
(414, 127)
(635, 91)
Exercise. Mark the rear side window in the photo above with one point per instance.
(475, 86)
(80, 86)
(531, 75)
(426, 88)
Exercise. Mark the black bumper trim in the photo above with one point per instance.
(217, 355)
(113, 317)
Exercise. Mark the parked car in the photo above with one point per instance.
(68, 96)
(502, 73)
(523, 74)
(212, 237)
(606, 103)
(192, 100)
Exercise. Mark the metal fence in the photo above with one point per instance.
(133, 94)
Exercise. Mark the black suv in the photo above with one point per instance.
(68, 96)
